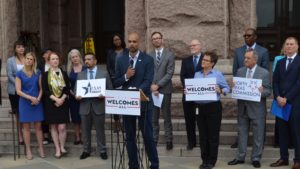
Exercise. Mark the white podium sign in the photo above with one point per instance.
(246, 89)
(123, 102)
(200, 89)
(91, 88)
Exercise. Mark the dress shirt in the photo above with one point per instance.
(94, 72)
(253, 46)
(134, 62)
(252, 71)
(159, 50)
(287, 59)
(221, 82)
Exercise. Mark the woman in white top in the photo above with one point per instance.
(14, 64)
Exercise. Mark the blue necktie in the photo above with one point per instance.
(91, 74)
(195, 62)
(289, 63)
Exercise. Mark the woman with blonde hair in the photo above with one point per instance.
(29, 88)
(56, 89)
(74, 66)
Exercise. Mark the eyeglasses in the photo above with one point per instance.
(156, 38)
(247, 35)
(206, 60)
(194, 45)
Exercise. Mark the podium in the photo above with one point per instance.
(115, 104)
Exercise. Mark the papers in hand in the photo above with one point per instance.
(281, 112)
(157, 100)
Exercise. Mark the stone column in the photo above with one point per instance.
(8, 28)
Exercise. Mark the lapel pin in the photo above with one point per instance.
(140, 60)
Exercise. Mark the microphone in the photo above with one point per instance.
(131, 62)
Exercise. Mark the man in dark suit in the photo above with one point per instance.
(250, 44)
(164, 65)
(135, 70)
(252, 112)
(189, 66)
(92, 109)
(286, 89)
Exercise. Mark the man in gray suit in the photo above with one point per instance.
(162, 83)
(92, 109)
(252, 112)
(250, 44)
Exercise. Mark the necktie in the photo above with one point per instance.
(91, 74)
(250, 49)
(195, 62)
(249, 74)
(289, 63)
(131, 62)
(158, 58)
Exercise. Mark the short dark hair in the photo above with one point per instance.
(253, 30)
(90, 53)
(18, 42)
(123, 44)
(213, 56)
(157, 33)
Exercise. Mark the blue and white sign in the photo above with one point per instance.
(91, 88)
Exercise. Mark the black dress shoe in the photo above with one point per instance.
(103, 156)
(279, 163)
(190, 146)
(235, 162)
(209, 166)
(234, 145)
(202, 166)
(84, 155)
(256, 164)
(169, 146)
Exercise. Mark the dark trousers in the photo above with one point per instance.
(145, 125)
(209, 123)
(189, 109)
(284, 129)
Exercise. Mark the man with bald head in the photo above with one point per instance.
(189, 66)
(135, 69)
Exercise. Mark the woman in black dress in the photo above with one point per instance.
(56, 89)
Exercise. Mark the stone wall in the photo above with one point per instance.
(219, 24)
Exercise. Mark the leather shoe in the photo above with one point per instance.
(84, 155)
(234, 145)
(296, 166)
(256, 164)
(169, 146)
(235, 162)
(103, 156)
(279, 163)
(190, 146)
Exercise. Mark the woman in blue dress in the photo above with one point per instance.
(75, 65)
(29, 88)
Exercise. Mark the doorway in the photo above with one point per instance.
(276, 20)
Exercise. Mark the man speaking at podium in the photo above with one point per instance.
(135, 70)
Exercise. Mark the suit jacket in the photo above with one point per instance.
(187, 68)
(11, 70)
(253, 109)
(111, 62)
(239, 56)
(286, 83)
(164, 71)
(144, 71)
(98, 105)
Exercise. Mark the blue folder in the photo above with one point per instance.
(281, 112)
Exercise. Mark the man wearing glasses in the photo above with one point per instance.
(164, 65)
(250, 44)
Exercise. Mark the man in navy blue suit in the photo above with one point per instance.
(189, 66)
(135, 70)
(286, 89)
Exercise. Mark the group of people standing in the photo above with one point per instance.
(49, 94)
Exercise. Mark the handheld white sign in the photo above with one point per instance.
(246, 89)
(123, 102)
(91, 88)
(200, 89)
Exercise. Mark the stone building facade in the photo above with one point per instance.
(63, 24)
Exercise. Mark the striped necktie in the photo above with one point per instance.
(158, 58)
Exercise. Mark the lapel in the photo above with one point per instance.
(256, 73)
(98, 73)
(139, 61)
(295, 62)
